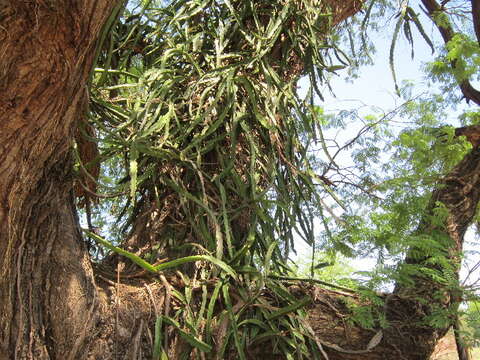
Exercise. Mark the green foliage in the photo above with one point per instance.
(471, 319)
(250, 317)
(198, 105)
(371, 313)
(464, 52)
(213, 159)
(334, 270)
(406, 18)
(202, 133)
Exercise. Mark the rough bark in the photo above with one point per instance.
(47, 292)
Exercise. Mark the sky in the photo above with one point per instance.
(375, 85)
(374, 88)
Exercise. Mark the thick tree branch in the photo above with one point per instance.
(446, 31)
(476, 18)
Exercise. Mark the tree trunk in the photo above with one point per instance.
(47, 292)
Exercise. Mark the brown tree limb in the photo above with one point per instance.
(476, 18)
(462, 351)
(446, 31)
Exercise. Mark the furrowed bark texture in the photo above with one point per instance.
(47, 293)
